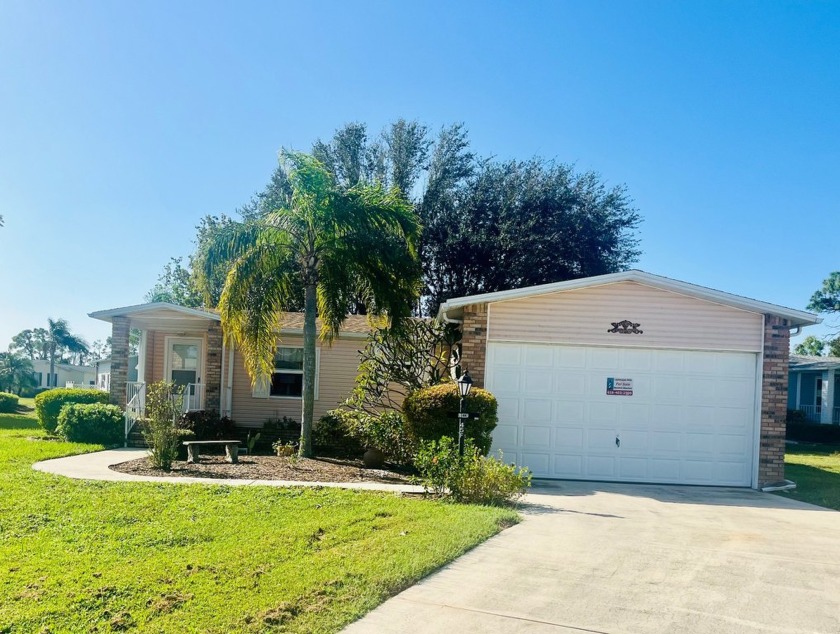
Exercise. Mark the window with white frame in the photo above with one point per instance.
(287, 379)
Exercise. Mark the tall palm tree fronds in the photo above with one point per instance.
(337, 245)
(60, 338)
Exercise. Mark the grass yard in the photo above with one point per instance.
(816, 471)
(80, 556)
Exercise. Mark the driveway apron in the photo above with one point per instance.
(618, 558)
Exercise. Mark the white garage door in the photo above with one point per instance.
(673, 416)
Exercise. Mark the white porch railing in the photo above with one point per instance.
(135, 404)
(193, 397)
(79, 386)
(812, 412)
(190, 400)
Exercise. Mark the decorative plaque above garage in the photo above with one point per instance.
(625, 327)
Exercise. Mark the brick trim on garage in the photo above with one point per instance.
(774, 387)
(474, 342)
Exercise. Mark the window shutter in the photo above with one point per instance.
(261, 389)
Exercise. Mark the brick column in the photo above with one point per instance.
(213, 368)
(120, 329)
(474, 342)
(774, 387)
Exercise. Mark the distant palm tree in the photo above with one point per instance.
(336, 245)
(59, 338)
(15, 372)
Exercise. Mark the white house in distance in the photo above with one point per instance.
(103, 372)
(78, 375)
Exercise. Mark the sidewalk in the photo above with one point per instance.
(94, 466)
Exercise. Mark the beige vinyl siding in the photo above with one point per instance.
(583, 316)
(338, 366)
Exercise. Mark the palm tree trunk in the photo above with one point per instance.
(309, 335)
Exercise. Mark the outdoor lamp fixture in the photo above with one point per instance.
(464, 387)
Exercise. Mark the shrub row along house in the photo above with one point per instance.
(625, 377)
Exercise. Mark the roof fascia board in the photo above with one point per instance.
(640, 277)
(107, 315)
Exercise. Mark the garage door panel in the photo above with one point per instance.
(569, 412)
(538, 463)
(506, 436)
(690, 418)
(538, 383)
(539, 356)
(601, 467)
(536, 436)
(568, 438)
(568, 466)
(569, 383)
(537, 410)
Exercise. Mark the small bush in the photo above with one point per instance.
(31, 392)
(8, 403)
(92, 423)
(429, 414)
(48, 404)
(388, 433)
(475, 479)
(334, 434)
(812, 432)
(160, 429)
(208, 425)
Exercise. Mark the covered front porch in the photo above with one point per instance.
(814, 386)
(180, 345)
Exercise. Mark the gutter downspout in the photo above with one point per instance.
(449, 320)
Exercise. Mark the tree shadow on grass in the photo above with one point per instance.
(17, 421)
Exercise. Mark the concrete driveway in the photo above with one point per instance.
(610, 558)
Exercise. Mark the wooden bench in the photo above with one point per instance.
(231, 449)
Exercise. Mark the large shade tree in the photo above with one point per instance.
(827, 301)
(15, 372)
(338, 244)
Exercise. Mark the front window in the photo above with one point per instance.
(287, 379)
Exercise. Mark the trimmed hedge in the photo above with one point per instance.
(812, 432)
(8, 403)
(429, 414)
(92, 423)
(48, 404)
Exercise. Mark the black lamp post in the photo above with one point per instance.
(464, 387)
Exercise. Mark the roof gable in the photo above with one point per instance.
(453, 307)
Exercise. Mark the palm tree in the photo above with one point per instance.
(60, 338)
(15, 372)
(337, 245)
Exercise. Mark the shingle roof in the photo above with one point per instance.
(799, 362)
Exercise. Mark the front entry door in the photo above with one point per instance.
(183, 368)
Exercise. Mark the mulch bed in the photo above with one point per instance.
(268, 468)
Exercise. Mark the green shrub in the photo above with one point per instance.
(8, 403)
(92, 423)
(160, 428)
(48, 404)
(208, 425)
(30, 392)
(473, 479)
(429, 414)
(389, 433)
(812, 432)
(334, 434)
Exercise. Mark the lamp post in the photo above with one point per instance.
(464, 387)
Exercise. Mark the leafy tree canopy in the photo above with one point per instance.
(811, 346)
(826, 300)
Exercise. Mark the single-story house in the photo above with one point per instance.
(633, 377)
(186, 346)
(813, 388)
(64, 374)
(103, 372)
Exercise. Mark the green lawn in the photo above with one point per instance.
(81, 556)
(816, 471)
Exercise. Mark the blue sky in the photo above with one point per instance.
(121, 124)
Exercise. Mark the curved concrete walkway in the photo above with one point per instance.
(95, 466)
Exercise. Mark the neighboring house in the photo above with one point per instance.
(185, 346)
(103, 372)
(633, 377)
(78, 375)
(814, 387)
